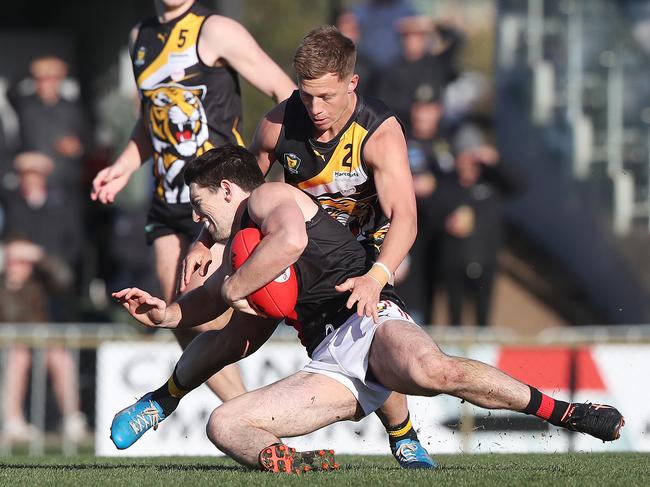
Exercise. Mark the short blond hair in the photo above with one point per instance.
(325, 50)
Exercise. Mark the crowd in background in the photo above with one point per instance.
(63, 255)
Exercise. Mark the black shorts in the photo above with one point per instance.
(165, 219)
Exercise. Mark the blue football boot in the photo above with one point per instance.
(135, 420)
(411, 454)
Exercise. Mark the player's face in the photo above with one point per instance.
(213, 209)
(327, 99)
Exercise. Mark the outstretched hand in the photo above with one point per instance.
(147, 309)
(365, 291)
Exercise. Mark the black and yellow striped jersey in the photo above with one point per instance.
(335, 172)
(188, 106)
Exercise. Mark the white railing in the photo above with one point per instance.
(76, 337)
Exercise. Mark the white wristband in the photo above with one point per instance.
(385, 269)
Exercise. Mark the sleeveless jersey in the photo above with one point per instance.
(332, 255)
(335, 172)
(188, 106)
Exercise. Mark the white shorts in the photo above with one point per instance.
(343, 355)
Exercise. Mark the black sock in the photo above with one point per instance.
(401, 431)
(169, 395)
(547, 408)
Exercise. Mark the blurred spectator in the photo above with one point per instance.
(4, 152)
(52, 124)
(376, 22)
(33, 211)
(29, 277)
(418, 73)
(347, 23)
(473, 232)
(428, 150)
(459, 185)
(4, 169)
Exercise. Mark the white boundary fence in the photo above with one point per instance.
(600, 364)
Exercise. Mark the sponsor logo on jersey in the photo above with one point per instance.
(292, 162)
(284, 277)
(139, 56)
(347, 181)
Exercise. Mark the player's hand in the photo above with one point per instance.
(245, 307)
(148, 310)
(238, 304)
(108, 182)
(365, 291)
(198, 259)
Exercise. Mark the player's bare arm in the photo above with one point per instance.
(112, 179)
(192, 309)
(224, 39)
(274, 208)
(266, 137)
(385, 152)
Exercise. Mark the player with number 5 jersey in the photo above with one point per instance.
(187, 61)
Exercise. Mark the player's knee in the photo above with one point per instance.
(438, 373)
(220, 427)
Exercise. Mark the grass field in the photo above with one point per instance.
(464, 470)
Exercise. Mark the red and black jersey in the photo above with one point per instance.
(332, 255)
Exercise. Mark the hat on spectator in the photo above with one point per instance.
(428, 92)
(33, 161)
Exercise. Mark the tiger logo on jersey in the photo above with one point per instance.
(179, 131)
(338, 208)
(177, 120)
(357, 215)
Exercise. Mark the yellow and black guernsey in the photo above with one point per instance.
(335, 172)
(188, 106)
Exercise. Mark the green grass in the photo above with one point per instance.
(455, 470)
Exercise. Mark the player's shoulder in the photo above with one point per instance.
(134, 33)
(375, 115)
(271, 124)
(148, 23)
(276, 114)
(220, 26)
(270, 191)
(375, 106)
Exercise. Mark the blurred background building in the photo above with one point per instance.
(528, 124)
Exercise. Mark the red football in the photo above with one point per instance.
(278, 298)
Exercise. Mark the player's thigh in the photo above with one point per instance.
(400, 354)
(244, 335)
(294, 406)
(168, 253)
